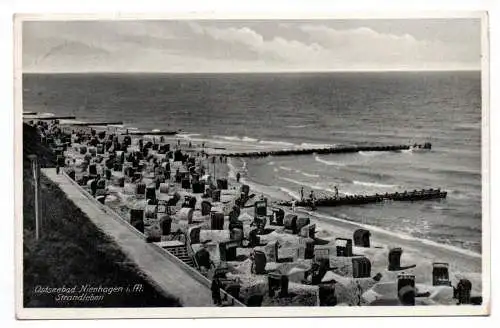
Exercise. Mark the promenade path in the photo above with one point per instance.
(160, 270)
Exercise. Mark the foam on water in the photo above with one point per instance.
(277, 143)
(373, 153)
(306, 174)
(187, 135)
(329, 163)
(293, 194)
(310, 175)
(307, 184)
(314, 145)
(236, 138)
(231, 138)
(373, 184)
(249, 139)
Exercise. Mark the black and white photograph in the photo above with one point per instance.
(294, 166)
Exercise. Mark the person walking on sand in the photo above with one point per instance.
(336, 192)
(302, 193)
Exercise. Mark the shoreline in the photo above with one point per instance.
(416, 250)
(285, 195)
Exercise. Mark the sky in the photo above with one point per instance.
(191, 46)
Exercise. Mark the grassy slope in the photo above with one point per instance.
(72, 251)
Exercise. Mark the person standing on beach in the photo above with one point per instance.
(336, 192)
(311, 199)
(302, 193)
(216, 291)
(238, 177)
(359, 293)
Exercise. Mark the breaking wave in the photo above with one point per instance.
(330, 163)
(313, 145)
(278, 143)
(187, 135)
(308, 185)
(290, 193)
(310, 175)
(373, 184)
(236, 138)
(373, 153)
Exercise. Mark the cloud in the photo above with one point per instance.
(322, 47)
(275, 49)
(367, 45)
(201, 46)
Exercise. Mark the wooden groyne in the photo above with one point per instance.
(50, 118)
(408, 196)
(96, 123)
(152, 133)
(327, 150)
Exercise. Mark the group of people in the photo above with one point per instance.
(312, 198)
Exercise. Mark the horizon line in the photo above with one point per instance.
(263, 72)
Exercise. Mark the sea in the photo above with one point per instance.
(293, 110)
